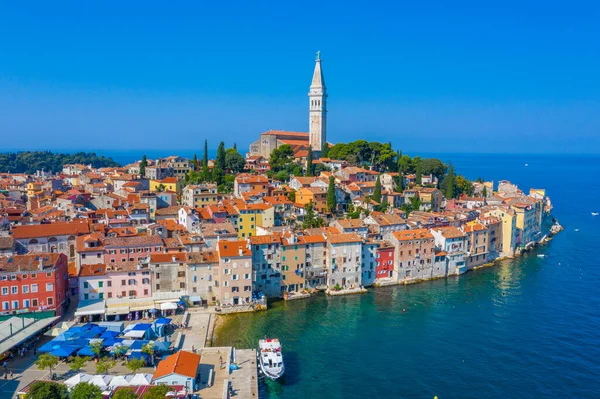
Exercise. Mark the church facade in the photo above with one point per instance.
(317, 114)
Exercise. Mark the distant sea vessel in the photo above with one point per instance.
(526, 164)
(270, 358)
(594, 213)
(576, 229)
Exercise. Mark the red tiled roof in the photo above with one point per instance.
(52, 229)
(182, 363)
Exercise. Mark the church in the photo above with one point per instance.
(317, 123)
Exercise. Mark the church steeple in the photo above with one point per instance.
(317, 108)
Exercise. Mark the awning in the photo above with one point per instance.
(90, 308)
(142, 305)
(119, 310)
(195, 299)
(168, 306)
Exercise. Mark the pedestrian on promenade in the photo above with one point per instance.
(5, 364)
(11, 374)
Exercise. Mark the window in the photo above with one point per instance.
(13, 277)
(246, 276)
(100, 284)
(4, 290)
(33, 275)
(49, 287)
(49, 274)
(25, 290)
(157, 287)
(181, 285)
(145, 292)
(123, 282)
(145, 281)
(234, 277)
(34, 303)
(110, 294)
(15, 304)
(50, 301)
(109, 283)
(85, 296)
(101, 296)
(14, 290)
(5, 306)
(34, 288)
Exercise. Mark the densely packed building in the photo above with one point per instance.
(147, 235)
(124, 242)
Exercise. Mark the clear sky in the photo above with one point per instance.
(435, 76)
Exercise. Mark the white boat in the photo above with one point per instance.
(594, 213)
(270, 358)
(541, 256)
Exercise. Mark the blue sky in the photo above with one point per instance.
(430, 76)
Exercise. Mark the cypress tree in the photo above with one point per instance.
(331, 200)
(325, 150)
(235, 146)
(220, 163)
(309, 162)
(418, 172)
(143, 165)
(450, 183)
(205, 158)
(195, 163)
(377, 191)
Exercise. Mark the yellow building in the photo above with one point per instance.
(293, 259)
(508, 231)
(171, 184)
(34, 188)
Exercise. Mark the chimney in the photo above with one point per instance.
(173, 259)
(41, 264)
(241, 251)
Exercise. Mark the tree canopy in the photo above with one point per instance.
(234, 161)
(124, 393)
(157, 392)
(31, 161)
(47, 390)
(331, 199)
(46, 361)
(85, 390)
(377, 155)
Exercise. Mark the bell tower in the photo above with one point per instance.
(317, 110)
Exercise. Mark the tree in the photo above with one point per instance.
(235, 146)
(484, 192)
(195, 163)
(463, 185)
(282, 175)
(399, 182)
(46, 361)
(418, 172)
(135, 364)
(234, 161)
(157, 392)
(76, 363)
(104, 365)
(85, 390)
(149, 350)
(309, 162)
(281, 158)
(47, 390)
(96, 348)
(404, 164)
(143, 165)
(220, 161)
(311, 220)
(433, 166)
(292, 196)
(218, 175)
(377, 191)
(450, 183)
(325, 150)
(331, 199)
(205, 156)
(124, 393)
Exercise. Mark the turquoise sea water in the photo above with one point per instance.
(525, 328)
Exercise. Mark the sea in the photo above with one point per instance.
(524, 328)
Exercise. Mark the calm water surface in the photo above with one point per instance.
(526, 328)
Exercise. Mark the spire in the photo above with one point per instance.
(318, 81)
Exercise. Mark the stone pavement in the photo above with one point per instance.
(196, 334)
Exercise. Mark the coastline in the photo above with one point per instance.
(221, 320)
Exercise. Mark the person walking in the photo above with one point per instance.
(11, 374)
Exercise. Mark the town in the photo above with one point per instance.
(137, 261)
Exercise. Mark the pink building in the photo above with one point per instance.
(131, 249)
(115, 280)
